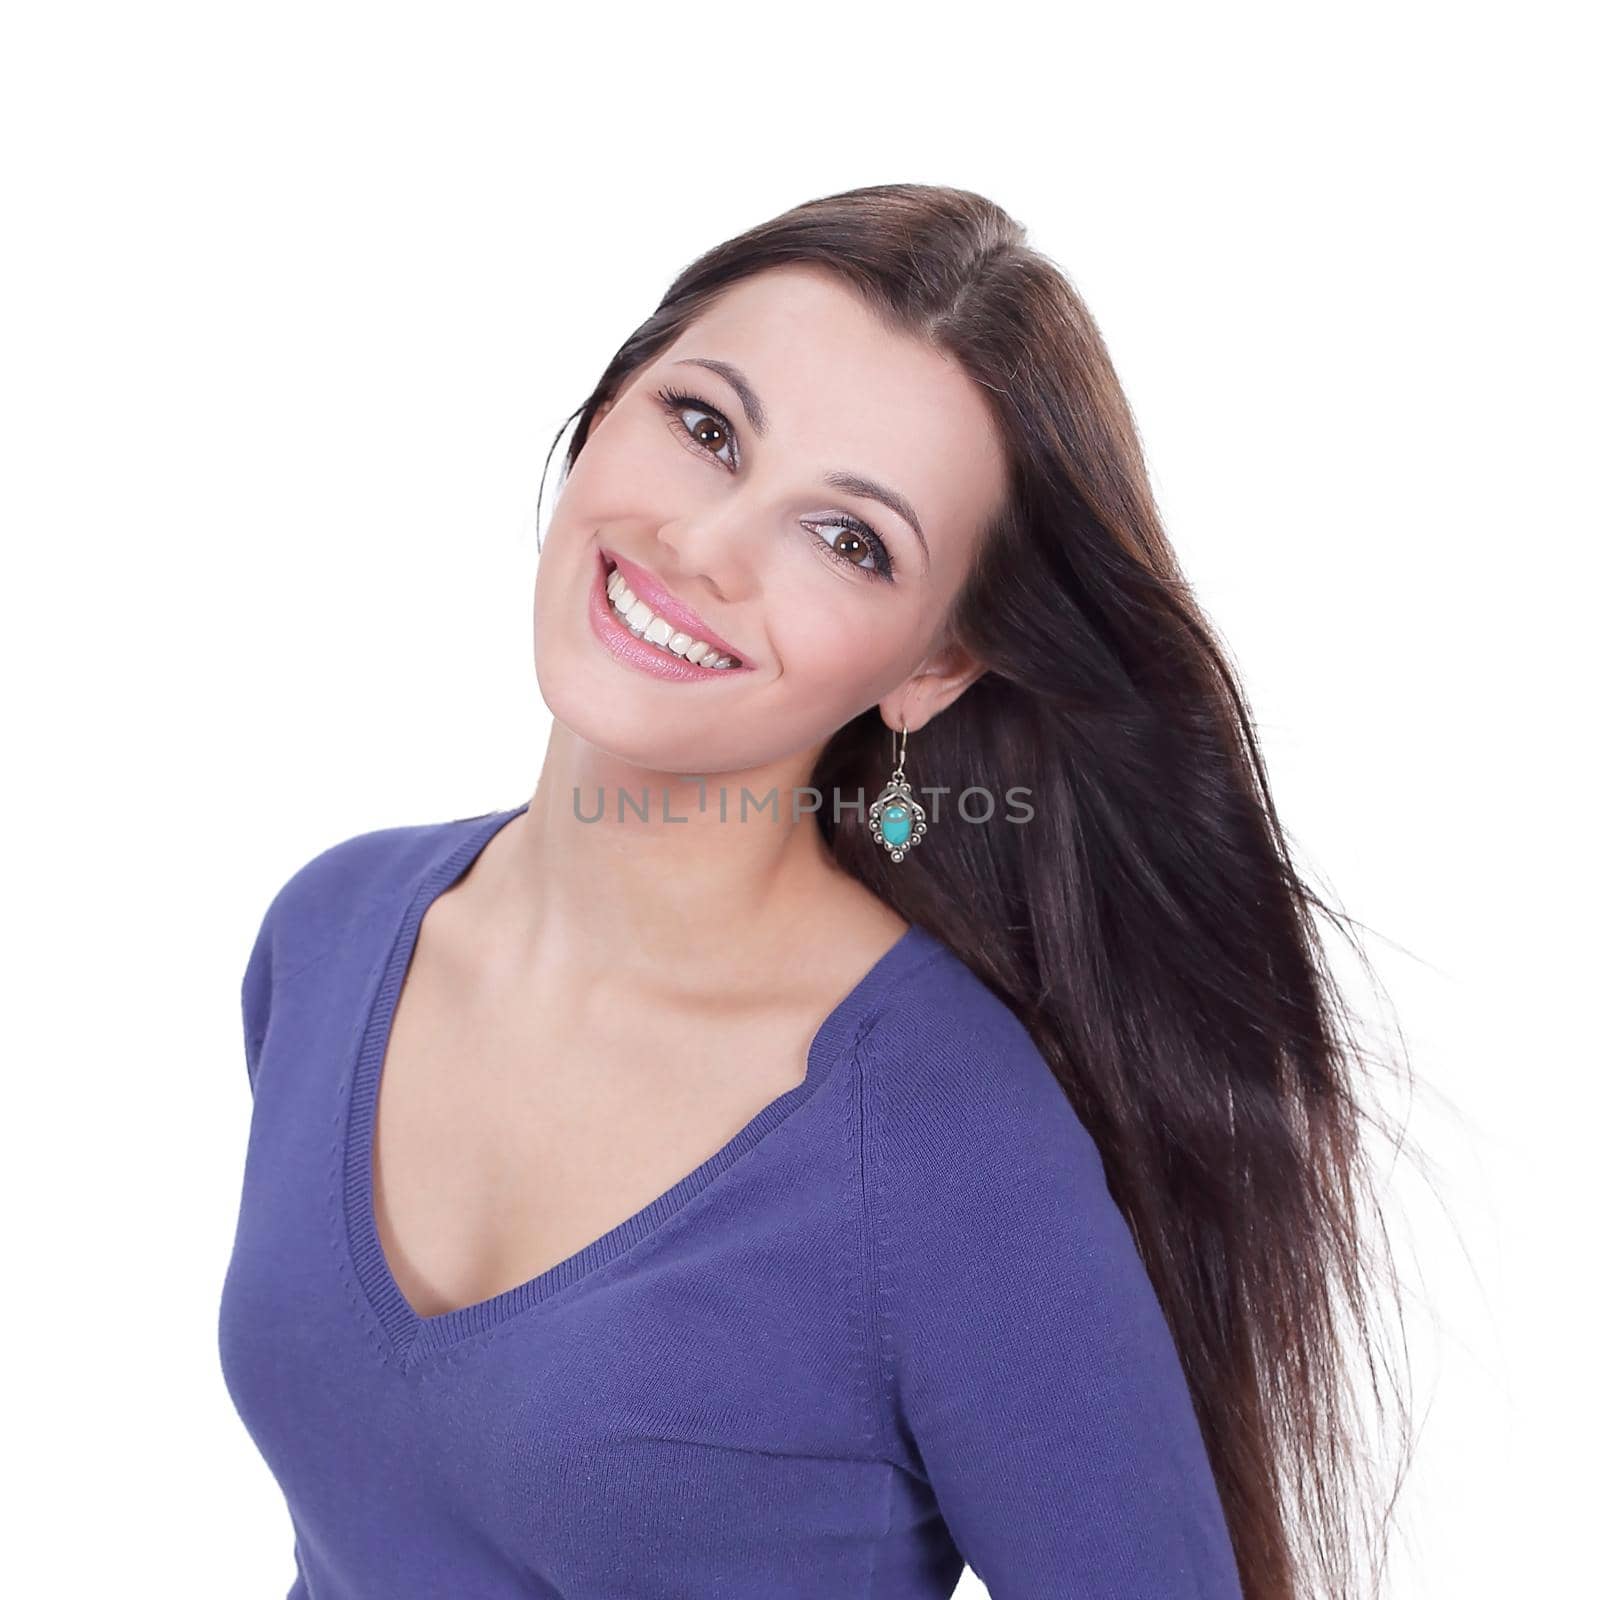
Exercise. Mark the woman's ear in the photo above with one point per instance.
(936, 684)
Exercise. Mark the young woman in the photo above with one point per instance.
(878, 1105)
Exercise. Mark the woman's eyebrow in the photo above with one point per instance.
(740, 385)
(848, 482)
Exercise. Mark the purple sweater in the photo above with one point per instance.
(894, 1325)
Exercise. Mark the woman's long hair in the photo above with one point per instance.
(1147, 924)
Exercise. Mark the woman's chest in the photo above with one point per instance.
(701, 1370)
(631, 1184)
(692, 1416)
(511, 1133)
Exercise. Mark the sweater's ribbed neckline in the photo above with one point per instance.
(414, 1337)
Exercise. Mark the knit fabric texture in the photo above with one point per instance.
(895, 1326)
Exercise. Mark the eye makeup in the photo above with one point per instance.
(676, 401)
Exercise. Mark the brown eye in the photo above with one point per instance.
(698, 423)
(853, 544)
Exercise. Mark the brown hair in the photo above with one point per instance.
(1147, 925)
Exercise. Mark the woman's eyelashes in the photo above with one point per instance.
(710, 433)
(856, 540)
(711, 421)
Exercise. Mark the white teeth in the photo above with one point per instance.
(641, 620)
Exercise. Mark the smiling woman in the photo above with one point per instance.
(654, 1203)
(713, 500)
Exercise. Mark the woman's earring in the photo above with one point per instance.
(896, 820)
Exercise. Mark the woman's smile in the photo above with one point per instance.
(651, 631)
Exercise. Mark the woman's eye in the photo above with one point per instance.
(854, 544)
(703, 427)
(848, 546)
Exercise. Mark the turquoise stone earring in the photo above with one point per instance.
(896, 820)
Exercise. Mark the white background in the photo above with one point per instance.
(295, 299)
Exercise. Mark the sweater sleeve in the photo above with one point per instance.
(1030, 1377)
(255, 994)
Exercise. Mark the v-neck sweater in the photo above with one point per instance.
(896, 1325)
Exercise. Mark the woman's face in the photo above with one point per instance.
(721, 501)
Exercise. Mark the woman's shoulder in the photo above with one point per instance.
(949, 1045)
(953, 1077)
(331, 894)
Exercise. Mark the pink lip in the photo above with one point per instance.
(669, 608)
(629, 648)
